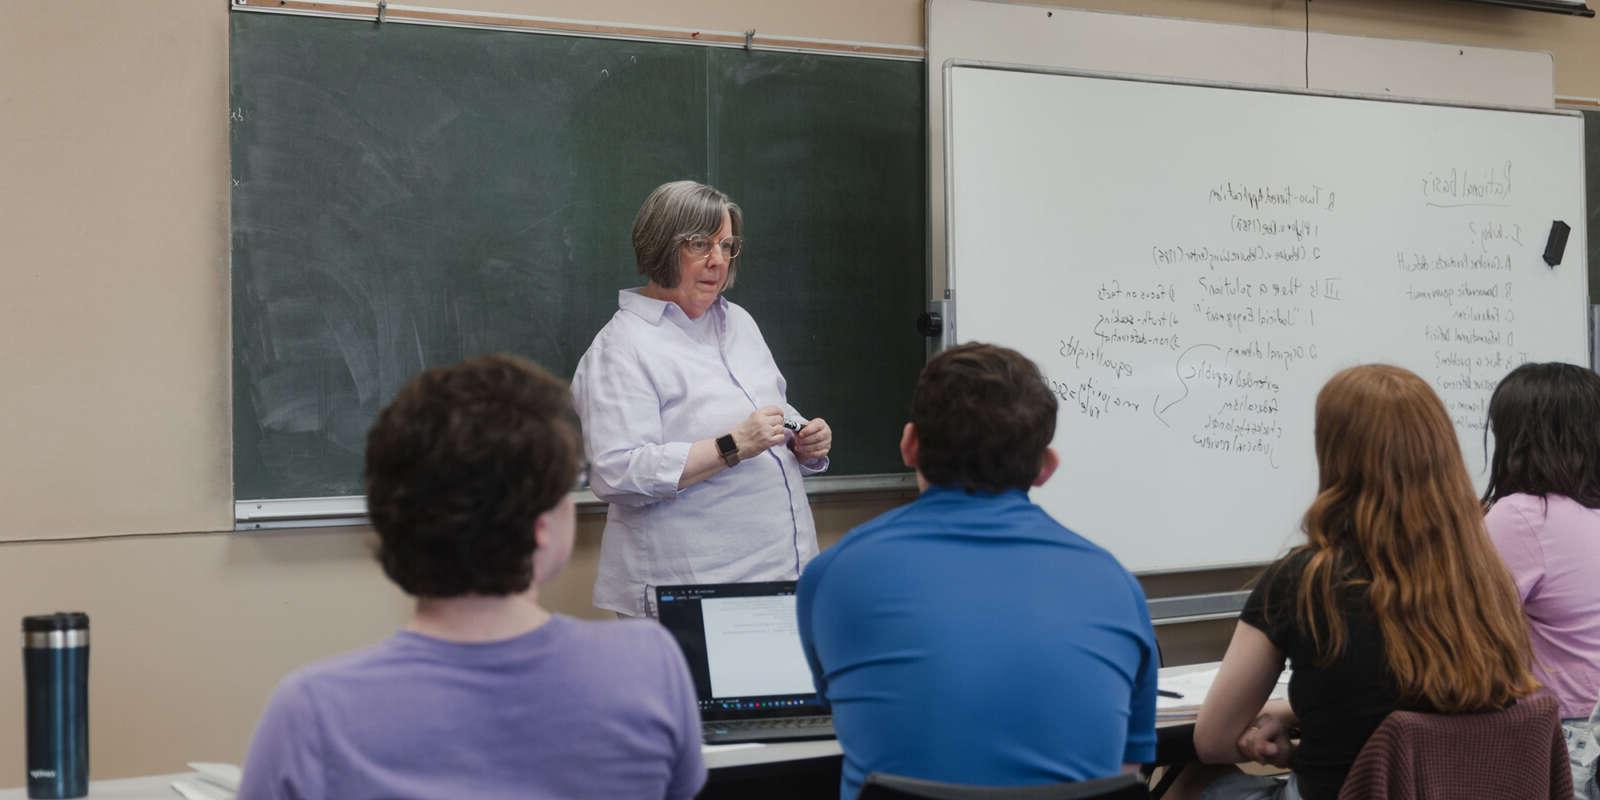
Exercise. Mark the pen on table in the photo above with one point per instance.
(1169, 693)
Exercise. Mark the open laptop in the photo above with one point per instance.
(743, 649)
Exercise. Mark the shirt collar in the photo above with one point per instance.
(938, 492)
(651, 310)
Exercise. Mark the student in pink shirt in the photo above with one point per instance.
(1544, 518)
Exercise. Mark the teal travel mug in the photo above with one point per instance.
(55, 667)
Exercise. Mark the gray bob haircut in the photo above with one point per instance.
(672, 213)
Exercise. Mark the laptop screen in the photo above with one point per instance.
(743, 649)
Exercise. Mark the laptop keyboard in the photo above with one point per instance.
(761, 730)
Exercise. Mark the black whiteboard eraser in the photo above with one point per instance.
(1557, 245)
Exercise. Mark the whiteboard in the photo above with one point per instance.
(1189, 264)
(1083, 40)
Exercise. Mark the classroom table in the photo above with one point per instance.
(148, 787)
(789, 769)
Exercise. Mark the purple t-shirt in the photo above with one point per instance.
(1553, 552)
(572, 709)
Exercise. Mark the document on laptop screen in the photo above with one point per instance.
(753, 646)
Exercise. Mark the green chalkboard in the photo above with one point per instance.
(407, 196)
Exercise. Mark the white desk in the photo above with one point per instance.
(159, 787)
(743, 755)
(720, 756)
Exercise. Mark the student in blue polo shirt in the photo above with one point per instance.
(968, 637)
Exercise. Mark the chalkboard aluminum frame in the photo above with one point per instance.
(953, 297)
(370, 11)
(351, 510)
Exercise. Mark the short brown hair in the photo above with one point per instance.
(672, 213)
(984, 418)
(460, 466)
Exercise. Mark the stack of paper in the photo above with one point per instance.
(1192, 687)
(214, 781)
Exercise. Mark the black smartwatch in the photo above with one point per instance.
(727, 449)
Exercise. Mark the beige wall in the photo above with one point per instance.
(1574, 42)
(113, 313)
(191, 631)
(114, 224)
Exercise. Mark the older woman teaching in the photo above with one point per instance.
(689, 434)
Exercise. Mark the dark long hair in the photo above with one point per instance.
(1546, 424)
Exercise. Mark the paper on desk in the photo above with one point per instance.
(199, 790)
(213, 781)
(1194, 686)
(228, 776)
(719, 748)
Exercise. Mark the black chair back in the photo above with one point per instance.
(882, 786)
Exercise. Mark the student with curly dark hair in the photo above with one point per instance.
(1544, 518)
(485, 693)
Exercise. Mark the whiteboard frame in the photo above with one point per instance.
(953, 296)
(950, 65)
(1030, 32)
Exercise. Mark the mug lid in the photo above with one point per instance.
(59, 621)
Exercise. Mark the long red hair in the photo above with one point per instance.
(1396, 511)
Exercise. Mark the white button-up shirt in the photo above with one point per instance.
(652, 383)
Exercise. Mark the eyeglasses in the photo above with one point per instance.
(699, 246)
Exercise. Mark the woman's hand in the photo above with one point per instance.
(759, 431)
(813, 441)
(1268, 739)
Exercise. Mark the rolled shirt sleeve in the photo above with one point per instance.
(1514, 537)
(630, 461)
